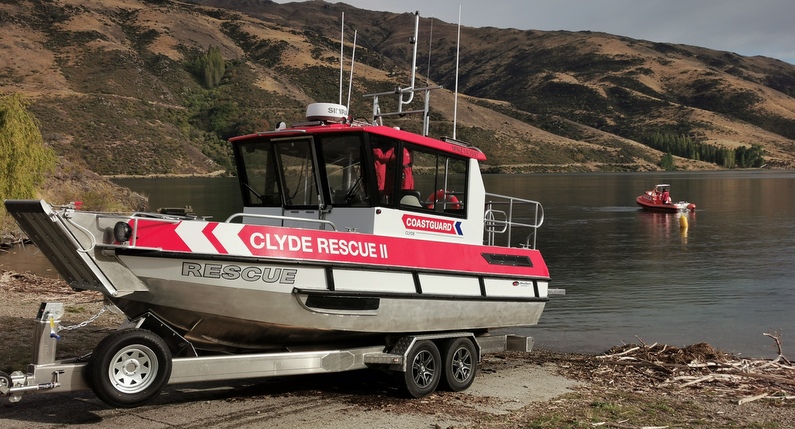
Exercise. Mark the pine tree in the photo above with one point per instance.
(667, 162)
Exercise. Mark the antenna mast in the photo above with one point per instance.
(378, 115)
(353, 59)
(457, 49)
(413, 41)
(342, 53)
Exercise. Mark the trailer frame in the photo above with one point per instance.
(47, 374)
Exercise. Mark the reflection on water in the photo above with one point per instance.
(629, 274)
(212, 197)
(26, 258)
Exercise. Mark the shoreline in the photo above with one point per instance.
(217, 173)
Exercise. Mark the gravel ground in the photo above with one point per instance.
(360, 399)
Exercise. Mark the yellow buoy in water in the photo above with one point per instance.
(682, 221)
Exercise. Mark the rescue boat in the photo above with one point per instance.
(657, 199)
(349, 230)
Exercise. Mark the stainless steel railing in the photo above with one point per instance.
(511, 222)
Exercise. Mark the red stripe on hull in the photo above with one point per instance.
(343, 247)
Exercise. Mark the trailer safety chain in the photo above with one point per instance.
(85, 323)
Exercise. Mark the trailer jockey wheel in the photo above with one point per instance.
(423, 370)
(129, 367)
(460, 364)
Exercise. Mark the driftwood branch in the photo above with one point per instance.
(703, 367)
(752, 398)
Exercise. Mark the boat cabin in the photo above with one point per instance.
(374, 179)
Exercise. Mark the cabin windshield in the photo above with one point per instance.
(295, 161)
(355, 170)
(345, 178)
(279, 173)
(257, 174)
(283, 172)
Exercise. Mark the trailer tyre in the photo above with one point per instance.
(460, 364)
(129, 367)
(5, 380)
(423, 371)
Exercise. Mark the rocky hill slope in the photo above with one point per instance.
(123, 86)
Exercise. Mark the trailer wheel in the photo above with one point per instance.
(424, 370)
(129, 367)
(5, 380)
(460, 364)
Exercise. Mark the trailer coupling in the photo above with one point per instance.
(15, 385)
(45, 373)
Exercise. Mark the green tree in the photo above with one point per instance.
(750, 158)
(24, 158)
(209, 67)
(667, 162)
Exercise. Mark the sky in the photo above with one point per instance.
(745, 27)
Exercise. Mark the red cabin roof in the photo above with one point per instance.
(451, 146)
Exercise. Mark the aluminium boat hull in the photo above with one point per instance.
(295, 305)
(224, 296)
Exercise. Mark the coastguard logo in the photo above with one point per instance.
(429, 224)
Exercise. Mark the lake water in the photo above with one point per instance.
(629, 275)
(633, 275)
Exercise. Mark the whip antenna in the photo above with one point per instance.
(353, 59)
(430, 49)
(457, 50)
(342, 52)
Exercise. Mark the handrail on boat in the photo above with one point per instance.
(282, 218)
(378, 114)
(506, 215)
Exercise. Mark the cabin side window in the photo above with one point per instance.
(439, 183)
(416, 178)
(345, 177)
(392, 165)
(258, 175)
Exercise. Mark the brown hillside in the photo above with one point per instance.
(111, 83)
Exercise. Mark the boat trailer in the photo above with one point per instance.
(132, 365)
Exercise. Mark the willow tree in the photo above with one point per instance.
(24, 158)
